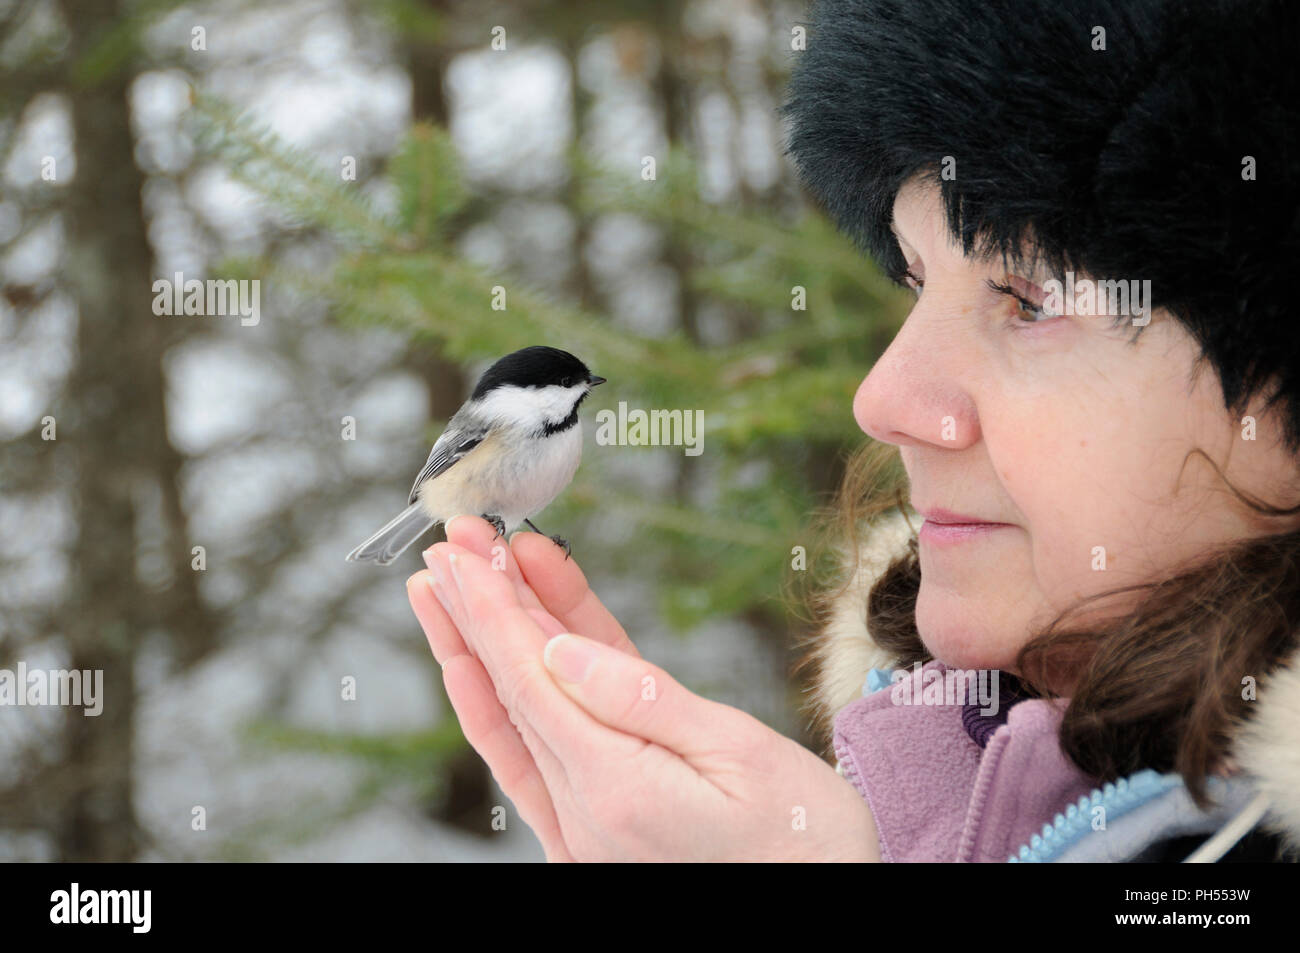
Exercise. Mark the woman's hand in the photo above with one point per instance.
(605, 755)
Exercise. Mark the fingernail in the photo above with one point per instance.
(436, 567)
(569, 657)
(446, 527)
(454, 562)
(437, 590)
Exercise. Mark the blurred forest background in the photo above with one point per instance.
(493, 145)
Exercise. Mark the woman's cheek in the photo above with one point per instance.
(1048, 490)
(1082, 554)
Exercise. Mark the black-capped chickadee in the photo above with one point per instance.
(506, 454)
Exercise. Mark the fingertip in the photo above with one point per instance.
(522, 535)
(540, 554)
(523, 543)
(472, 534)
(421, 594)
(550, 645)
(570, 657)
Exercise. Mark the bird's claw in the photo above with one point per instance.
(498, 524)
(563, 544)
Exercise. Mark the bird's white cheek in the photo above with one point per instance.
(531, 408)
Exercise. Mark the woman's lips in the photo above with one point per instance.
(943, 528)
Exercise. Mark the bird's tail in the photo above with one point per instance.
(391, 541)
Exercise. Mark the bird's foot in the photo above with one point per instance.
(497, 523)
(557, 540)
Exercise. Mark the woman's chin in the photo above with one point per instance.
(962, 638)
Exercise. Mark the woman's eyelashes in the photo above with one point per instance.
(1033, 306)
(1030, 298)
(907, 278)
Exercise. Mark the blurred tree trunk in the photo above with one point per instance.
(427, 64)
(116, 431)
(465, 803)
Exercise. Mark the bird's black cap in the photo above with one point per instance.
(537, 366)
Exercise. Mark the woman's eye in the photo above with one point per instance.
(909, 280)
(1027, 308)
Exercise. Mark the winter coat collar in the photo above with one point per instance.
(1266, 748)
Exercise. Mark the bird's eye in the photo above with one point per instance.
(567, 382)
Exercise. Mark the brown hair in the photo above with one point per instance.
(1159, 687)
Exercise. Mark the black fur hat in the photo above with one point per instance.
(1123, 153)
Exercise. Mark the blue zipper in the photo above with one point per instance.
(1116, 799)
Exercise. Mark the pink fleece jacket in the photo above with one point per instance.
(935, 794)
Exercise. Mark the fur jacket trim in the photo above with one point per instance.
(1266, 748)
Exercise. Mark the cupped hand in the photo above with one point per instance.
(606, 756)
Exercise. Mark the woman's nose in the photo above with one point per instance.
(915, 394)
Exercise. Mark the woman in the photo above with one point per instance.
(1096, 400)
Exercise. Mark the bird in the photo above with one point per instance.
(505, 455)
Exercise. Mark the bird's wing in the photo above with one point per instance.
(455, 442)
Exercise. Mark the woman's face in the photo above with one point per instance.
(1066, 430)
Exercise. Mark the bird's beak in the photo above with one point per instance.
(593, 380)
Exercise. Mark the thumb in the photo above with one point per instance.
(629, 694)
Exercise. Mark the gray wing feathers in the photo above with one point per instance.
(454, 443)
(391, 541)
(413, 522)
